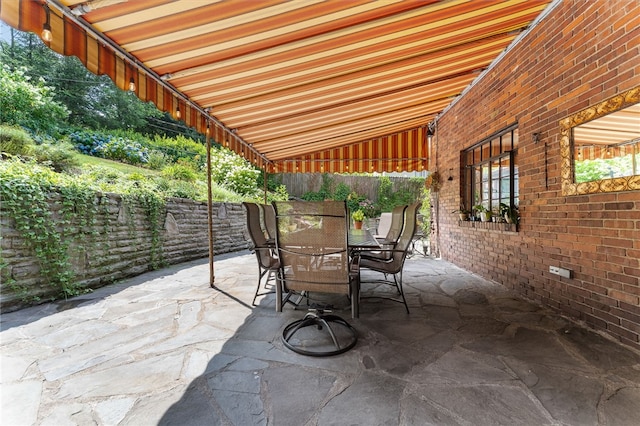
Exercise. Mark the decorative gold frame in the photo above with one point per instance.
(569, 187)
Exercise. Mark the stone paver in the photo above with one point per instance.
(165, 348)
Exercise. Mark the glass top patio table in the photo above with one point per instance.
(362, 239)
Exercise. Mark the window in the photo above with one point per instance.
(490, 171)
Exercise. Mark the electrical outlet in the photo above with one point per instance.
(566, 273)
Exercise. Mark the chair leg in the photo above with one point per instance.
(279, 300)
(255, 296)
(355, 299)
(269, 274)
(401, 291)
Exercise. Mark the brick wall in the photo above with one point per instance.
(119, 244)
(582, 53)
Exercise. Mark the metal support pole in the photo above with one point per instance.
(265, 183)
(210, 212)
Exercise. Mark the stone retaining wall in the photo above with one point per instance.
(117, 245)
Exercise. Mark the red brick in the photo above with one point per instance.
(634, 272)
(625, 279)
(623, 332)
(607, 316)
(591, 55)
(624, 297)
(635, 327)
(626, 315)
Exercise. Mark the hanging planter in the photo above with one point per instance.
(432, 182)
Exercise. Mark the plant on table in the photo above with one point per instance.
(358, 215)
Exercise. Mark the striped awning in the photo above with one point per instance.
(302, 85)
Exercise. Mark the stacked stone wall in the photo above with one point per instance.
(118, 244)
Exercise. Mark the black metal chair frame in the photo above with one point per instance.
(320, 320)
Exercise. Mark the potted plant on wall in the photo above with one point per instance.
(463, 214)
(485, 214)
(510, 214)
(496, 216)
(358, 217)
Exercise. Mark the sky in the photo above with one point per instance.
(5, 31)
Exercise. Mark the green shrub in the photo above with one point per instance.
(131, 135)
(313, 196)
(59, 157)
(425, 210)
(196, 163)
(325, 190)
(102, 177)
(220, 193)
(157, 160)
(125, 150)
(341, 192)
(242, 179)
(179, 172)
(137, 177)
(182, 190)
(179, 147)
(233, 172)
(385, 194)
(15, 141)
(280, 194)
(105, 145)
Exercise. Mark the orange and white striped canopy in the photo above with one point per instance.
(300, 85)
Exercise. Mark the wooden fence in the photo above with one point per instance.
(299, 184)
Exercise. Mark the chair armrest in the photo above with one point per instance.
(380, 255)
(354, 265)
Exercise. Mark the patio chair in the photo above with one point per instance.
(419, 238)
(269, 219)
(389, 240)
(311, 240)
(395, 226)
(268, 263)
(384, 224)
(391, 262)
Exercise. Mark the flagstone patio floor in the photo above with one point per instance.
(165, 348)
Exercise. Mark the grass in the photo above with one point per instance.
(121, 167)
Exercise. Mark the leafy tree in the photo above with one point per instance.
(117, 118)
(604, 168)
(93, 101)
(28, 104)
(385, 194)
(26, 51)
(117, 109)
(164, 124)
(73, 83)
